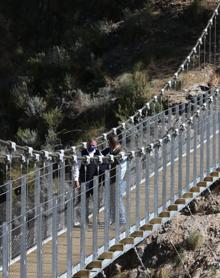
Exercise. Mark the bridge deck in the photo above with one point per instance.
(14, 269)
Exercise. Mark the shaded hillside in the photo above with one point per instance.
(59, 60)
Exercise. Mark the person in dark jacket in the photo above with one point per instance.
(85, 173)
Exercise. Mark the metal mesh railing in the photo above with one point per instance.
(47, 227)
(44, 220)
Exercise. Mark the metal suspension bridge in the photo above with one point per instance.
(171, 157)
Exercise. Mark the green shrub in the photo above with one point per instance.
(27, 136)
(195, 240)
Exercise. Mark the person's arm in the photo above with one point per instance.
(123, 166)
(76, 169)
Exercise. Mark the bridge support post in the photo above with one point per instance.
(180, 154)
(83, 226)
(147, 185)
(95, 217)
(106, 210)
(23, 260)
(39, 243)
(54, 237)
(128, 197)
(137, 197)
(69, 232)
(5, 249)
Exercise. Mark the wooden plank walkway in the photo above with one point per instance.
(14, 269)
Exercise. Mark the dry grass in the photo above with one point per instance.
(195, 240)
(188, 81)
(162, 273)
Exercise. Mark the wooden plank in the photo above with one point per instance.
(180, 201)
(94, 264)
(117, 247)
(127, 240)
(147, 227)
(164, 214)
(156, 220)
(188, 195)
(214, 174)
(209, 178)
(106, 255)
(137, 234)
(202, 184)
(173, 208)
(195, 189)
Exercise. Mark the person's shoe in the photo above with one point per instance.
(76, 224)
(111, 222)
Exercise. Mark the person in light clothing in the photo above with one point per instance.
(115, 149)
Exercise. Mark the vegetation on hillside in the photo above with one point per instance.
(65, 63)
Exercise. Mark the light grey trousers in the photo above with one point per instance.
(122, 216)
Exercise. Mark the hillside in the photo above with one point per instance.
(188, 246)
(63, 64)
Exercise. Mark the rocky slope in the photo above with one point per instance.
(188, 246)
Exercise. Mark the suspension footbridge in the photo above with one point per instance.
(171, 157)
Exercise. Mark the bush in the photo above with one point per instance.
(27, 136)
(195, 240)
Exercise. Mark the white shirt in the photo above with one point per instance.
(123, 166)
(76, 167)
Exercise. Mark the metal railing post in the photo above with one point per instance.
(188, 140)
(156, 178)
(169, 117)
(133, 136)
(128, 198)
(106, 210)
(95, 217)
(117, 203)
(214, 135)
(54, 238)
(39, 242)
(207, 123)
(155, 119)
(69, 233)
(5, 249)
(147, 184)
(23, 260)
(195, 126)
(9, 216)
(164, 176)
(37, 193)
(148, 131)
(124, 137)
(61, 223)
(172, 162)
(163, 122)
(177, 112)
(49, 169)
(137, 196)
(202, 121)
(140, 134)
(83, 226)
(180, 164)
